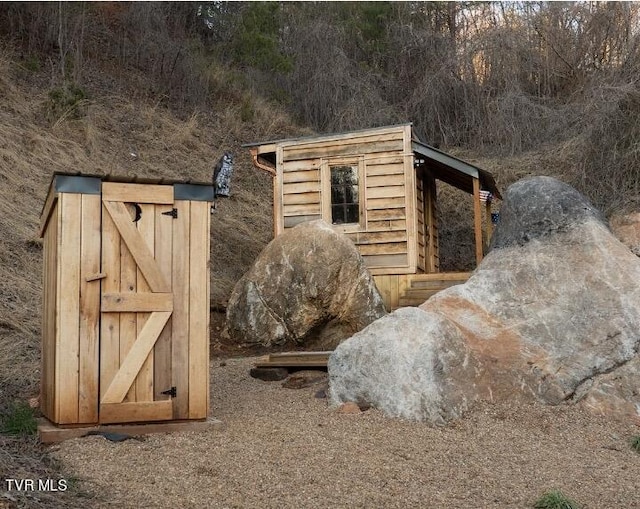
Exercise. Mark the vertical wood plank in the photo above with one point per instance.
(382, 284)
(489, 223)
(420, 214)
(146, 227)
(207, 353)
(47, 385)
(325, 191)
(180, 317)
(89, 309)
(410, 200)
(109, 322)
(278, 213)
(477, 219)
(162, 349)
(128, 323)
(68, 329)
(431, 227)
(198, 310)
(401, 283)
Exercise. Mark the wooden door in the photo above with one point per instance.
(137, 303)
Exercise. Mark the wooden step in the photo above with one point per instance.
(438, 280)
(415, 297)
(419, 293)
(404, 302)
(433, 285)
(294, 360)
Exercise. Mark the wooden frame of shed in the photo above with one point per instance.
(396, 226)
(125, 326)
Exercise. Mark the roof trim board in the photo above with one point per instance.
(321, 137)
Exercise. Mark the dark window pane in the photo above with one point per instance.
(351, 194)
(337, 214)
(337, 195)
(353, 215)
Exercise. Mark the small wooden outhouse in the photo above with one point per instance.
(125, 329)
(378, 186)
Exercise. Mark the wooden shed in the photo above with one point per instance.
(125, 330)
(378, 186)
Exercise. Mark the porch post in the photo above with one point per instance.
(488, 222)
(477, 219)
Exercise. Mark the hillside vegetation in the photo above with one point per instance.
(163, 89)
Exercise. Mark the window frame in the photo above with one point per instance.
(327, 215)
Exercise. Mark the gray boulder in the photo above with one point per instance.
(308, 286)
(411, 364)
(551, 314)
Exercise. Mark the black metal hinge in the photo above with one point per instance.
(170, 392)
(173, 213)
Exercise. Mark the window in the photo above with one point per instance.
(345, 196)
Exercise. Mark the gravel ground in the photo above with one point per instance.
(284, 448)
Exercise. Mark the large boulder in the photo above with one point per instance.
(309, 285)
(551, 314)
(627, 228)
(410, 363)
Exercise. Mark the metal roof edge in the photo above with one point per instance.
(457, 164)
(444, 158)
(110, 177)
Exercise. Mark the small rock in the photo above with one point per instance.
(223, 364)
(269, 374)
(321, 394)
(303, 379)
(349, 408)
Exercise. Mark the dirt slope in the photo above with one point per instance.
(113, 136)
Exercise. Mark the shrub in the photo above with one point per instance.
(555, 500)
(66, 101)
(635, 443)
(19, 420)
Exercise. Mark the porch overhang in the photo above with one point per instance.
(453, 171)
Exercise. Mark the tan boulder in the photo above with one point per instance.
(627, 228)
(308, 286)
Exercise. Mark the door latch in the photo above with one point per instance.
(170, 392)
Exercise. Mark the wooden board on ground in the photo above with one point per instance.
(51, 434)
(294, 360)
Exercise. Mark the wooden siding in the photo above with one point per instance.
(300, 193)
(381, 235)
(420, 191)
(399, 290)
(69, 379)
(432, 250)
(48, 351)
(363, 144)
